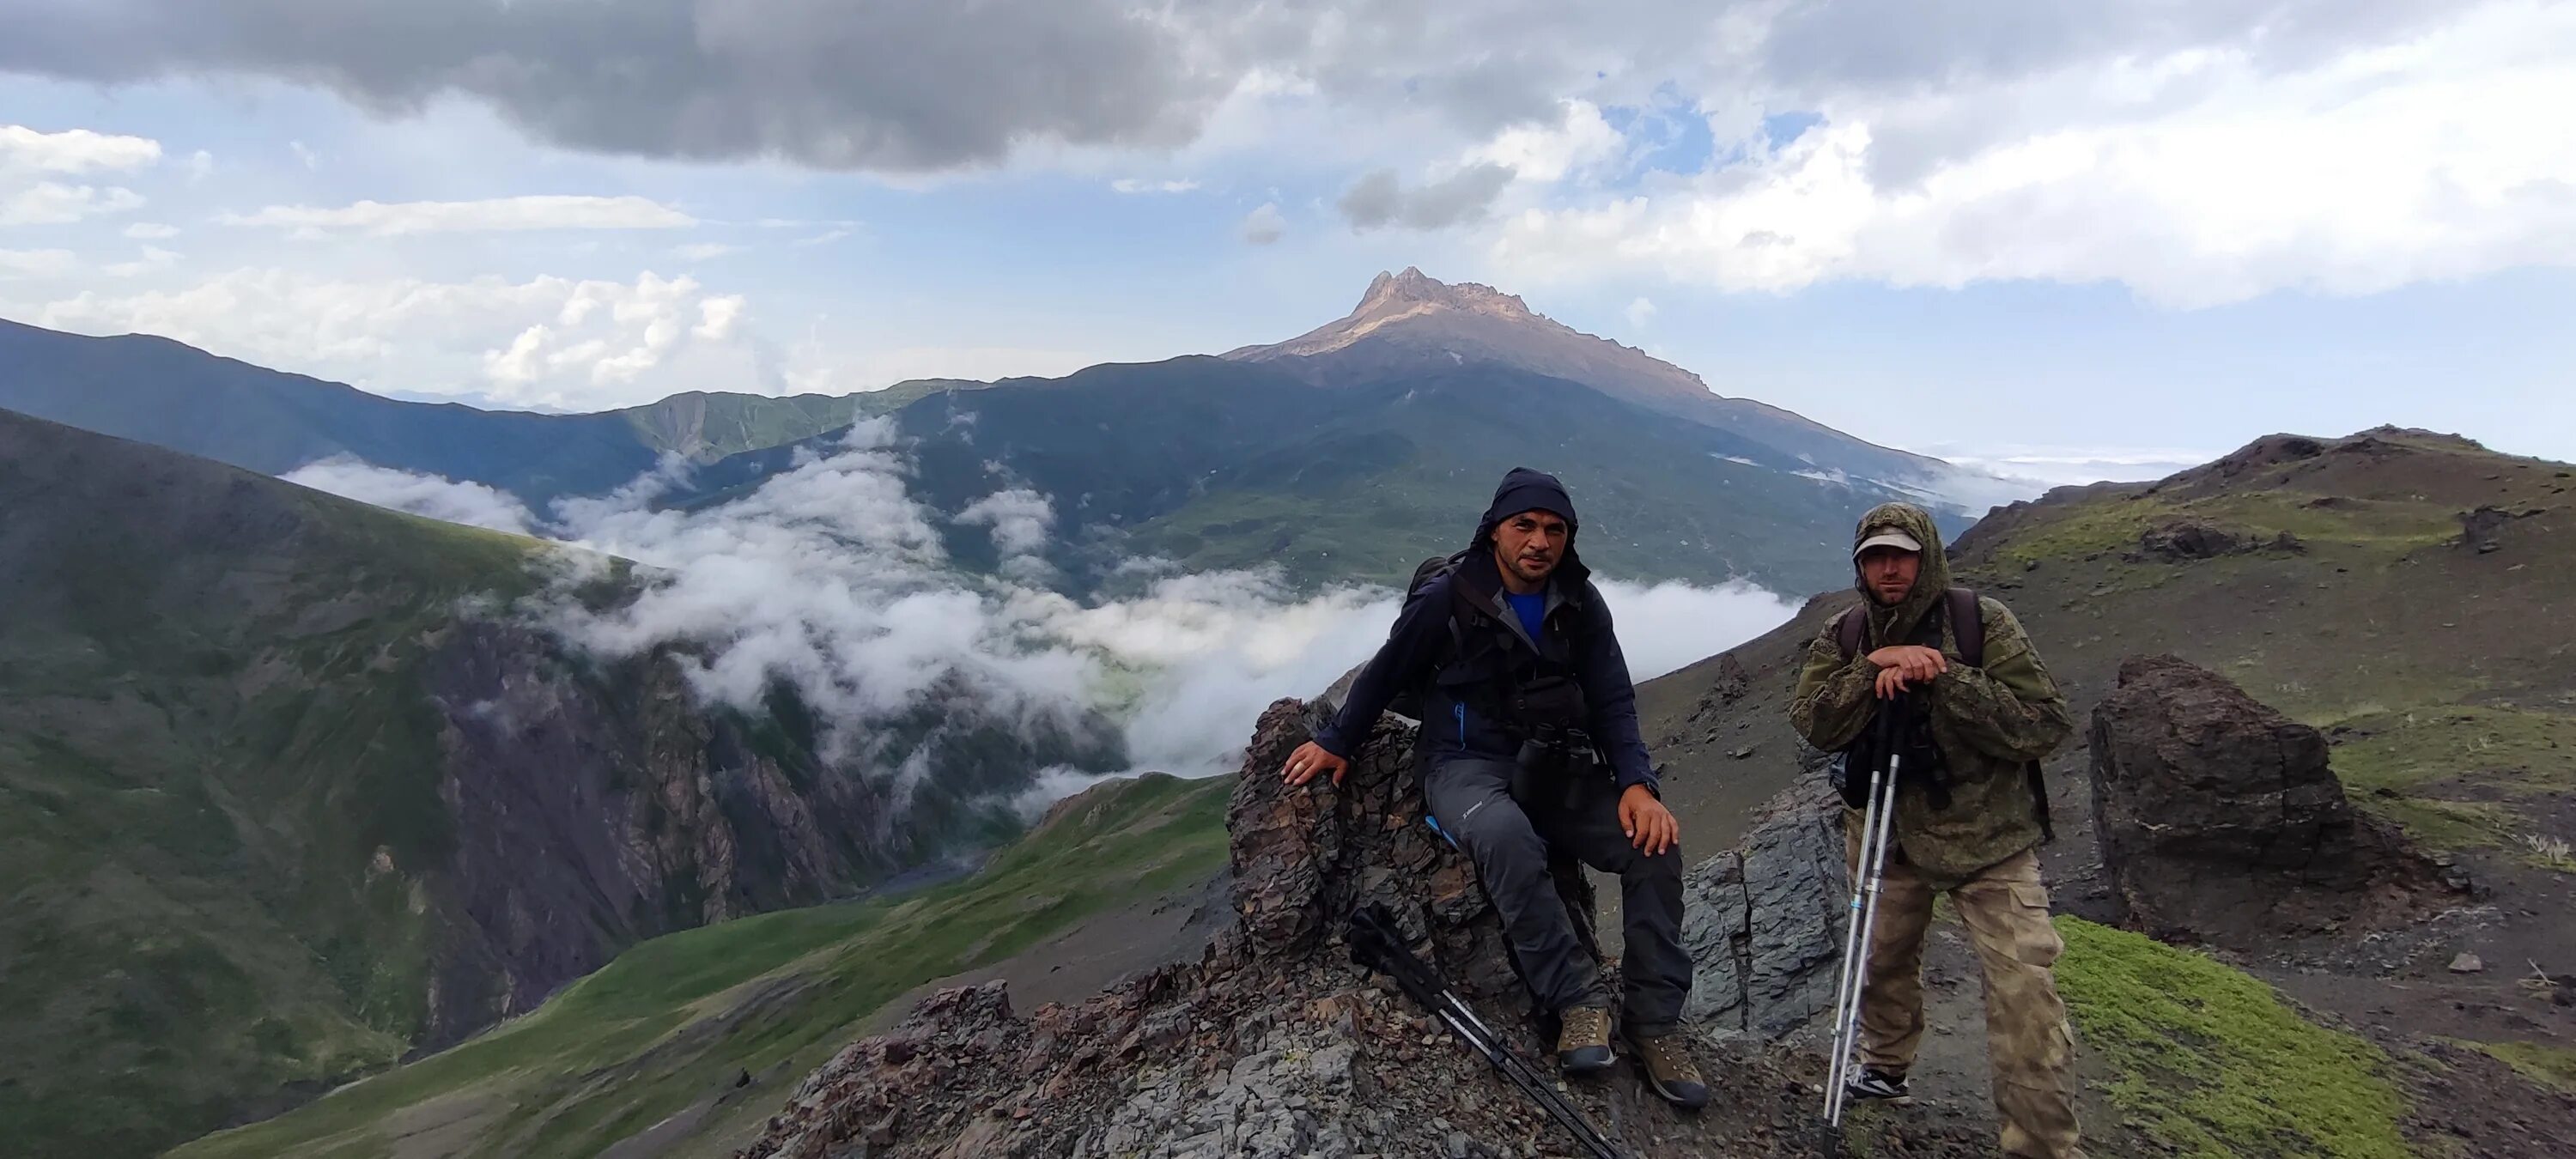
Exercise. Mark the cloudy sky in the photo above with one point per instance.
(2062, 239)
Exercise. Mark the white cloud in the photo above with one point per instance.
(1580, 139)
(2039, 467)
(72, 151)
(1264, 225)
(1139, 185)
(2199, 177)
(547, 341)
(431, 495)
(305, 155)
(1640, 313)
(705, 251)
(152, 258)
(53, 203)
(496, 214)
(830, 577)
(201, 165)
(37, 263)
(716, 318)
(826, 237)
(151, 231)
(1020, 519)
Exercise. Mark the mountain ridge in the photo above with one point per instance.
(165, 392)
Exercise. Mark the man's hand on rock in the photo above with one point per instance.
(1311, 759)
(1649, 826)
(1903, 665)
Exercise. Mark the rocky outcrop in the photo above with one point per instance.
(2190, 539)
(2483, 530)
(1764, 922)
(589, 805)
(2220, 820)
(1274, 1044)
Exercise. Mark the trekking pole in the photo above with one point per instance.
(1378, 943)
(1878, 822)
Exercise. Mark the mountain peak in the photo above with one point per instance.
(1391, 296)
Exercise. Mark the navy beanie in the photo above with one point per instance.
(1527, 490)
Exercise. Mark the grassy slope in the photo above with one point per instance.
(2423, 660)
(2451, 709)
(673, 1021)
(210, 724)
(2210, 1062)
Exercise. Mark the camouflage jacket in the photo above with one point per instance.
(1987, 721)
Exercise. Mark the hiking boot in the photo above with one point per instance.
(1667, 1062)
(1873, 1083)
(1583, 1041)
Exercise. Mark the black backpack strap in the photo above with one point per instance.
(1850, 627)
(1968, 626)
(2039, 801)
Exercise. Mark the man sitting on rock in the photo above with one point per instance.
(1521, 683)
(1969, 817)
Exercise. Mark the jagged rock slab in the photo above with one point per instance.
(1764, 923)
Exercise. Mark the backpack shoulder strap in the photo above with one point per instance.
(1850, 627)
(1968, 625)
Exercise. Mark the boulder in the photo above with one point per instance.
(1764, 922)
(2190, 539)
(2220, 820)
(2482, 531)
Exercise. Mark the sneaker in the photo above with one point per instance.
(1669, 1070)
(1583, 1041)
(1873, 1083)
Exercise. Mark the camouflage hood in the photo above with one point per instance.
(1892, 625)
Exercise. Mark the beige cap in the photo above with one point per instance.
(1888, 537)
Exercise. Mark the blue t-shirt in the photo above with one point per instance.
(1532, 609)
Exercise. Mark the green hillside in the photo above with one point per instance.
(668, 1027)
(2404, 615)
(1215, 464)
(286, 792)
(211, 720)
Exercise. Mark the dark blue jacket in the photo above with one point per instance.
(1460, 685)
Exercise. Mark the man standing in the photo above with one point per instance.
(1522, 682)
(1969, 826)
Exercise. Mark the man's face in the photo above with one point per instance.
(1889, 573)
(1528, 545)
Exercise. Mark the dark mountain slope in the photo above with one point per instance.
(278, 803)
(1212, 464)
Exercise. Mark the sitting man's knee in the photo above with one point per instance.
(1501, 832)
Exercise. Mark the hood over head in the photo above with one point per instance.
(1897, 623)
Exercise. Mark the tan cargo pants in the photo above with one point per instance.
(2005, 909)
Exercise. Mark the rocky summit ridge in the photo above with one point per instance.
(1274, 1044)
(1409, 319)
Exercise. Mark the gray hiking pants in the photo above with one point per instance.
(1472, 799)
